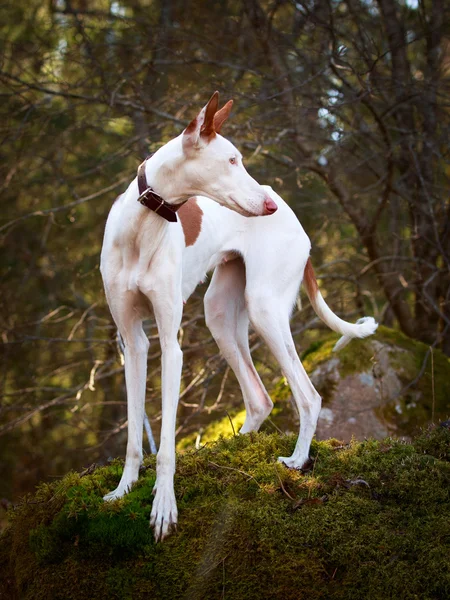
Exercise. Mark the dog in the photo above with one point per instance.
(258, 264)
(141, 266)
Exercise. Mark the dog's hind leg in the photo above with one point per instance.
(269, 315)
(227, 318)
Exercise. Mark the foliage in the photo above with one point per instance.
(371, 520)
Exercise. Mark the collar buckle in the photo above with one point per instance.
(149, 193)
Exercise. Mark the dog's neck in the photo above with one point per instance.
(164, 172)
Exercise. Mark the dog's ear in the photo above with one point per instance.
(207, 129)
(222, 115)
(201, 129)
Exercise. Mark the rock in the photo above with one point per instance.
(374, 387)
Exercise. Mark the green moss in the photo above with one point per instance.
(370, 521)
(353, 358)
(397, 338)
(434, 442)
(226, 427)
(356, 356)
(280, 391)
(312, 348)
(428, 398)
(317, 354)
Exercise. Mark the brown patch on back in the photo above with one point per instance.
(191, 220)
(309, 279)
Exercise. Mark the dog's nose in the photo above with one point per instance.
(269, 206)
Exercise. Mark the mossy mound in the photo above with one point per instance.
(370, 521)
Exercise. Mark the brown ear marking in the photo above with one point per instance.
(207, 128)
(191, 220)
(222, 115)
(207, 116)
(191, 127)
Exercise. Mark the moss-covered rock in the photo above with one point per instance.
(370, 521)
(384, 385)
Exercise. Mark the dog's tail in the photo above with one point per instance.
(361, 329)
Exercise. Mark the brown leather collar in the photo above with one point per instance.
(149, 198)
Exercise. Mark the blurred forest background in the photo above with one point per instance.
(341, 105)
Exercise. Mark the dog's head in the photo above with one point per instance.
(213, 165)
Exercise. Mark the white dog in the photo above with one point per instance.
(153, 259)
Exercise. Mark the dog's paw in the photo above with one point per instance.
(119, 492)
(164, 513)
(292, 462)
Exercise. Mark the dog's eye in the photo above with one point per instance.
(233, 160)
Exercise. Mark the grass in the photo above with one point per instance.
(371, 521)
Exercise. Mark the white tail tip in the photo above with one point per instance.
(365, 326)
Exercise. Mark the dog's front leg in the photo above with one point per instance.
(168, 307)
(136, 349)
